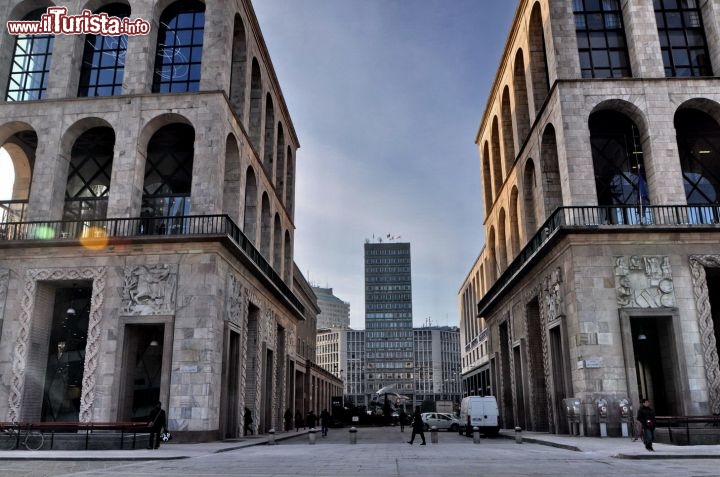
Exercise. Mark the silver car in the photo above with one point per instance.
(441, 420)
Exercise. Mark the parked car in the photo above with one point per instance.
(480, 412)
(441, 420)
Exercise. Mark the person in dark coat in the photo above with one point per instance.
(403, 420)
(325, 421)
(311, 420)
(298, 420)
(158, 425)
(646, 416)
(247, 422)
(288, 419)
(417, 426)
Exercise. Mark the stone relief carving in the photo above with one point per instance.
(644, 281)
(698, 264)
(22, 342)
(553, 296)
(150, 290)
(234, 308)
(4, 281)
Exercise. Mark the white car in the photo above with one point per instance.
(441, 420)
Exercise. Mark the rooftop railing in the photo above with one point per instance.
(94, 232)
(603, 218)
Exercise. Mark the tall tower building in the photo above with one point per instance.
(388, 317)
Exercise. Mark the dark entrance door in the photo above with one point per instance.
(142, 358)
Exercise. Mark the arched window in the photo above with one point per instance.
(103, 61)
(178, 57)
(618, 163)
(88, 183)
(497, 169)
(168, 175)
(698, 138)
(507, 130)
(682, 38)
(280, 163)
(30, 64)
(601, 39)
(287, 254)
(529, 188)
(552, 190)
(237, 68)
(538, 58)
(269, 143)
(255, 105)
(277, 245)
(265, 227)
(487, 178)
(250, 214)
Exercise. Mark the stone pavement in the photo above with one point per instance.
(623, 448)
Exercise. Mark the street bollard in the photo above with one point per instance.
(353, 435)
(518, 435)
(311, 434)
(271, 437)
(476, 435)
(434, 435)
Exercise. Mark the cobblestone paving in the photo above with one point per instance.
(379, 453)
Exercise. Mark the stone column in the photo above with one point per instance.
(562, 54)
(49, 180)
(711, 20)
(642, 39)
(217, 47)
(209, 161)
(137, 77)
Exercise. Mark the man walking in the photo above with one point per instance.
(159, 424)
(417, 426)
(646, 416)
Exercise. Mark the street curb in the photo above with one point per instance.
(532, 440)
(665, 456)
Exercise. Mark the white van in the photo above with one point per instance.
(480, 412)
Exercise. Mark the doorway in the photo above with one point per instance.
(559, 379)
(655, 362)
(143, 365)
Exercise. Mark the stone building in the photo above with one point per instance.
(148, 250)
(599, 151)
(437, 364)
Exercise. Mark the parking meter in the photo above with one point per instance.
(602, 413)
(626, 416)
(573, 410)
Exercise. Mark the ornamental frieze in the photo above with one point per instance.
(150, 290)
(644, 281)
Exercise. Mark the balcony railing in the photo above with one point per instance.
(12, 210)
(604, 218)
(188, 225)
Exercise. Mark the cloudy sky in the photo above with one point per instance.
(386, 97)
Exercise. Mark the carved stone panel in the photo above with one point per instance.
(234, 302)
(644, 281)
(4, 280)
(698, 264)
(150, 290)
(553, 296)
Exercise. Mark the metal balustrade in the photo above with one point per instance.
(605, 218)
(97, 231)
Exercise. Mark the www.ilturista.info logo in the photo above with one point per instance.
(57, 22)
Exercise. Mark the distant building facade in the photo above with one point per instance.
(437, 364)
(388, 318)
(600, 166)
(334, 313)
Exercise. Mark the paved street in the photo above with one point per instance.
(380, 452)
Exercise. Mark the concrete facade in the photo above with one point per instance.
(563, 296)
(221, 292)
(334, 313)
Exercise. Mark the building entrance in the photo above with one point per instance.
(656, 363)
(143, 359)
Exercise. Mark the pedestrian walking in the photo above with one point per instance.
(288, 419)
(403, 420)
(324, 421)
(311, 420)
(646, 416)
(298, 420)
(247, 422)
(417, 426)
(158, 425)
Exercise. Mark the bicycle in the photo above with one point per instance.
(12, 435)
